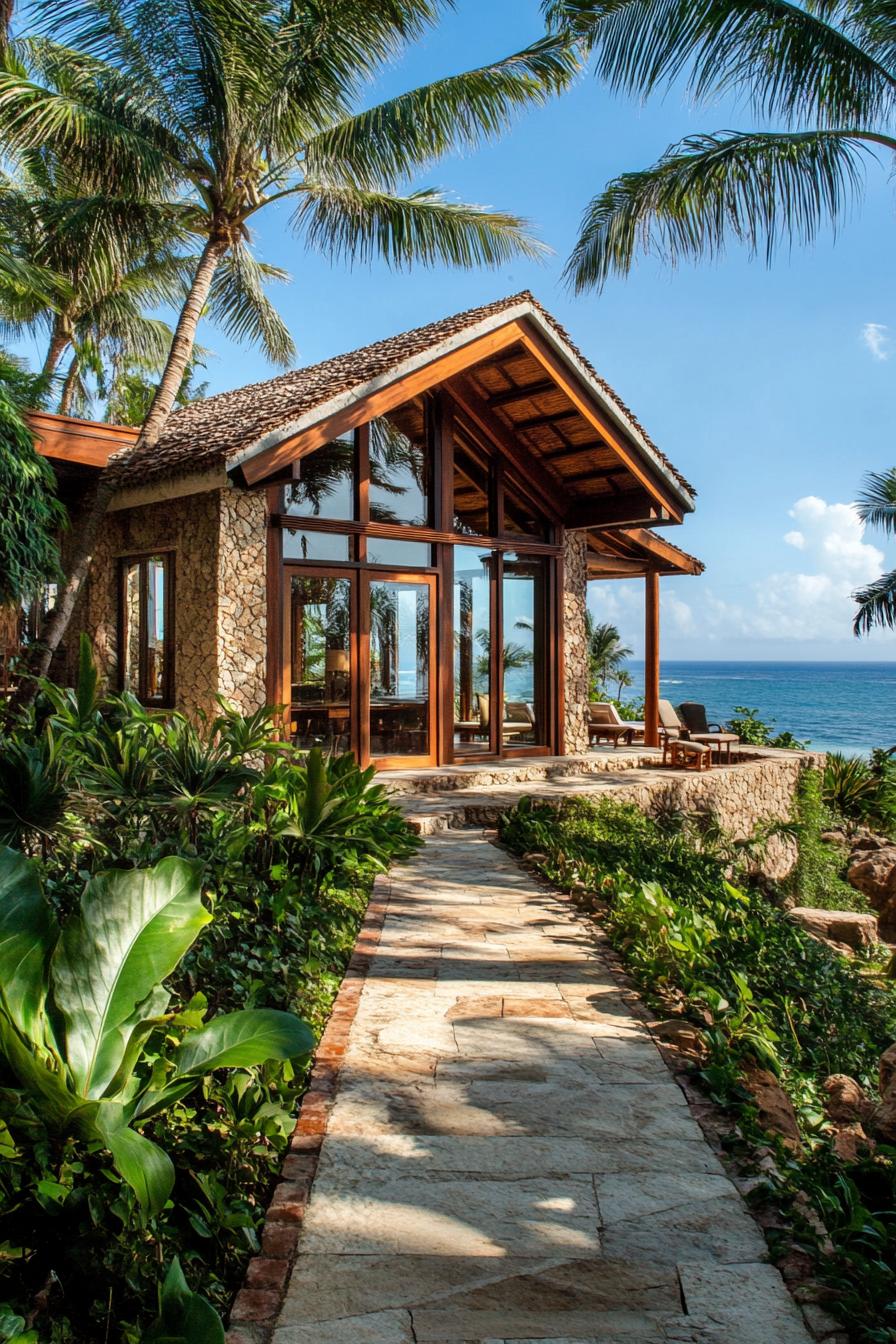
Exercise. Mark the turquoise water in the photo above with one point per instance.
(849, 707)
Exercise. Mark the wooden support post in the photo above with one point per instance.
(652, 659)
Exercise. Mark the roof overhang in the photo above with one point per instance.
(665, 499)
(81, 443)
(629, 552)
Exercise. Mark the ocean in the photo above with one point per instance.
(848, 707)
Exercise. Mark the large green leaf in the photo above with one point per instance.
(147, 1169)
(44, 1079)
(185, 1317)
(132, 930)
(239, 1040)
(28, 933)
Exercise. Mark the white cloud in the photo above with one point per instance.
(877, 339)
(810, 604)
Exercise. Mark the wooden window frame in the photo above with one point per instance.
(125, 562)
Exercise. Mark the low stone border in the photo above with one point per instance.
(256, 1307)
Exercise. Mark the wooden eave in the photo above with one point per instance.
(544, 415)
(80, 443)
(620, 553)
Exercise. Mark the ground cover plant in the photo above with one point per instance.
(706, 941)
(205, 885)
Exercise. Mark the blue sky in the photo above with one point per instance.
(757, 383)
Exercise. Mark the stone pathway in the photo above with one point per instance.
(508, 1158)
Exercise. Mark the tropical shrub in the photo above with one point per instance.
(860, 790)
(287, 849)
(757, 732)
(817, 878)
(761, 990)
(79, 1005)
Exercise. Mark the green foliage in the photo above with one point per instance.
(761, 990)
(755, 731)
(184, 1317)
(876, 507)
(31, 515)
(817, 878)
(79, 1005)
(286, 855)
(862, 791)
(606, 657)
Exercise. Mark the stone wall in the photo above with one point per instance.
(242, 616)
(220, 626)
(575, 641)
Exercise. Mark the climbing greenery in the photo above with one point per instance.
(31, 516)
(234, 875)
(707, 942)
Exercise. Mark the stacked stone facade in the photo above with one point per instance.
(575, 641)
(217, 539)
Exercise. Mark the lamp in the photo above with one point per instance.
(337, 669)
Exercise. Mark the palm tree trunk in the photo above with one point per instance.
(68, 387)
(86, 524)
(59, 339)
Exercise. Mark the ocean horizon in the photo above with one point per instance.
(834, 706)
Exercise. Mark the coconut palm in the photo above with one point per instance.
(819, 77)
(606, 654)
(235, 106)
(877, 508)
(115, 259)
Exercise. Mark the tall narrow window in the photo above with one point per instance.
(400, 467)
(145, 635)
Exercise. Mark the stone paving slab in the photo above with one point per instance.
(508, 1160)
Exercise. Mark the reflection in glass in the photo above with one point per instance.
(472, 649)
(400, 554)
(155, 630)
(400, 467)
(326, 482)
(130, 651)
(524, 661)
(399, 668)
(315, 545)
(471, 512)
(144, 647)
(320, 700)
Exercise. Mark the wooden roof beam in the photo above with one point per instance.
(521, 392)
(553, 418)
(530, 467)
(631, 508)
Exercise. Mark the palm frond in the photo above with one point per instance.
(385, 144)
(356, 225)
(240, 307)
(792, 60)
(876, 605)
(876, 505)
(758, 188)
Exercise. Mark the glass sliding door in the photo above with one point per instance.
(524, 718)
(319, 663)
(473, 649)
(400, 692)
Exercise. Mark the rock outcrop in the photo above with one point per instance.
(845, 927)
(872, 871)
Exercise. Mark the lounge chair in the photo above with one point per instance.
(670, 725)
(697, 729)
(606, 724)
(519, 719)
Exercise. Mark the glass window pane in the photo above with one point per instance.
(315, 545)
(400, 467)
(401, 554)
(156, 646)
(524, 659)
(471, 511)
(320, 696)
(130, 650)
(399, 668)
(326, 482)
(472, 649)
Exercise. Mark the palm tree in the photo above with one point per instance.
(822, 76)
(877, 507)
(235, 106)
(606, 654)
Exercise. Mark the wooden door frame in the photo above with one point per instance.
(409, 576)
(301, 569)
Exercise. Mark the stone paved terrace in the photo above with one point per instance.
(508, 1158)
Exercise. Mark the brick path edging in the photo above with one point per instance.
(256, 1307)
